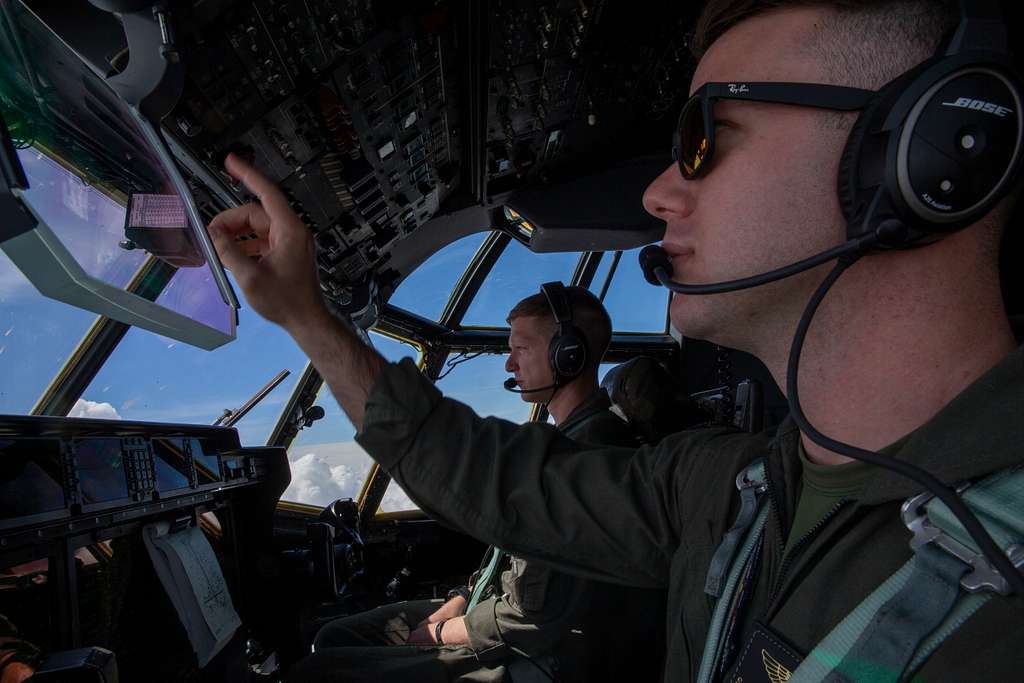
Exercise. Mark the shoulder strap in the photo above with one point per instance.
(751, 483)
(727, 565)
(896, 628)
(485, 577)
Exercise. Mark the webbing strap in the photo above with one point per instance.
(832, 652)
(892, 635)
(714, 642)
(720, 561)
(485, 577)
(896, 628)
(965, 607)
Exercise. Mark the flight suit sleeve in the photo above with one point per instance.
(532, 615)
(602, 513)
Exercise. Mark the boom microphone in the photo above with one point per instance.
(510, 385)
(658, 268)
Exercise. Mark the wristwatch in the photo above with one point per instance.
(457, 591)
(438, 627)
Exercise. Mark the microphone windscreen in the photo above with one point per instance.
(652, 256)
(510, 383)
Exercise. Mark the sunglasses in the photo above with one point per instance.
(693, 143)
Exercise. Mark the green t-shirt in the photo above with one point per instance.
(822, 486)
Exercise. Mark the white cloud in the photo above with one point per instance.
(396, 500)
(98, 411)
(325, 472)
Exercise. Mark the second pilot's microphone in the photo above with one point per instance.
(510, 385)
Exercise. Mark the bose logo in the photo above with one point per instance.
(742, 87)
(968, 103)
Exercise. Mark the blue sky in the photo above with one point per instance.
(153, 378)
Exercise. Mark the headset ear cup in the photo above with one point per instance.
(567, 355)
(853, 156)
(553, 349)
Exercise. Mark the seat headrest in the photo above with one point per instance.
(651, 399)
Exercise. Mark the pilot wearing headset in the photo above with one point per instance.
(515, 610)
(845, 171)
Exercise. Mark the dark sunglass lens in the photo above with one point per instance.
(693, 143)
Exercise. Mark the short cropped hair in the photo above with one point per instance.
(860, 43)
(588, 314)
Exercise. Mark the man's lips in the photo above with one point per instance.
(678, 257)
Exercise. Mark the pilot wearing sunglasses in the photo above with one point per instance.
(784, 558)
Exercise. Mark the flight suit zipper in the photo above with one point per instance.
(787, 560)
(799, 547)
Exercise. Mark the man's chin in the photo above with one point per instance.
(693, 315)
(536, 396)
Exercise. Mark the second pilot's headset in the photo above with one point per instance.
(567, 351)
(936, 148)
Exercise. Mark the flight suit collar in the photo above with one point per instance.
(593, 405)
(979, 432)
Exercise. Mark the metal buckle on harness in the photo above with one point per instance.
(983, 576)
(744, 482)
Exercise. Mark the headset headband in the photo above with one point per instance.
(558, 302)
(981, 28)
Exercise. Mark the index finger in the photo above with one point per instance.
(272, 199)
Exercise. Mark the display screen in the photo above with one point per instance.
(101, 470)
(172, 464)
(207, 464)
(30, 477)
(85, 154)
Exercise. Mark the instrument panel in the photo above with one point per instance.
(379, 118)
(53, 470)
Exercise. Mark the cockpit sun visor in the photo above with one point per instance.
(116, 230)
(597, 212)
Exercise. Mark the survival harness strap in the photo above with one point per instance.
(896, 628)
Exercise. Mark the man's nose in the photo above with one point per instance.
(669, 196)
(510, 365)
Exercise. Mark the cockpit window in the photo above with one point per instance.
(425, 292)
(37, 335)
(633, 304)
(325, 460)
(517, 274)
(477, 382)
(153, 378)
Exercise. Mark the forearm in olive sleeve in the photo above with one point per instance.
(599, 513)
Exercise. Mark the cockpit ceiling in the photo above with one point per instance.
(379, 118)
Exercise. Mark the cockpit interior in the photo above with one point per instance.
(449, 156)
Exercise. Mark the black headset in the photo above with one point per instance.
(567, 352)
(938, 146)
(932, 152)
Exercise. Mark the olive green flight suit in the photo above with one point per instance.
(653, 517)
(528, 607)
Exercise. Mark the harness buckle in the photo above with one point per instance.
(982, 576)
(743, 481)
